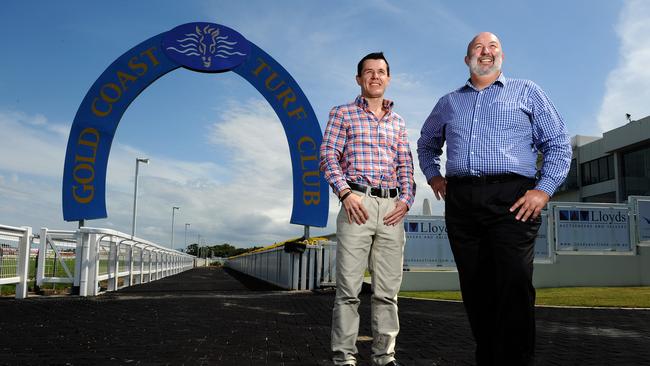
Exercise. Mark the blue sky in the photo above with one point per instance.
(217, 149)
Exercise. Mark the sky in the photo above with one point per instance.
(216, 148)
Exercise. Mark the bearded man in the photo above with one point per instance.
(494, 128)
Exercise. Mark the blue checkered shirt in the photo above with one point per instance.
(497, 130)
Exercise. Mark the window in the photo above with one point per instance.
(598, 170)
(636, 172)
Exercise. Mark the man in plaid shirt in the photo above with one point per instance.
(366, 159)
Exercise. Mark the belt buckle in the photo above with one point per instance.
(369, 192)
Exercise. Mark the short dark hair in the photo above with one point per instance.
(372, 56)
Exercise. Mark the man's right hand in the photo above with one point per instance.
(439, 186)
(353, 205)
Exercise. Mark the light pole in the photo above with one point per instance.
(173, 211)
(186, 225)
(135, 192)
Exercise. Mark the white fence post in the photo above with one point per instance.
(113, 255)
(23, 263)
(42, 255)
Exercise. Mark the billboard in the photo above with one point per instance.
(592, 228)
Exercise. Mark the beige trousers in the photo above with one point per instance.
(380, 248)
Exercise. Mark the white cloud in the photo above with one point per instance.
(628, 85)
(245, 201)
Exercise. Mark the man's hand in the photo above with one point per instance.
(398, 213)
(530, 205)
(439, 186)
(354, 207)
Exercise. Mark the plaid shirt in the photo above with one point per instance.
(358, 147)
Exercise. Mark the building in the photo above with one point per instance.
(610, 168)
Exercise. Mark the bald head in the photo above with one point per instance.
(484, 56)
(486, 37)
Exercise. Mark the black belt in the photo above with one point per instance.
(374, 191)
(485, 179)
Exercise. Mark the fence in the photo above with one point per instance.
(291, 265)
(92, 260)
(579, 244)
(14, 257)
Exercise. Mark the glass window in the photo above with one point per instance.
(593, 166)
(610, 164)
(603, 174)
(586, 177)
(636, 173)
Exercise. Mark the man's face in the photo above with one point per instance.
(373, 79)
(484, 55)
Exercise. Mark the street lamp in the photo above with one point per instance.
(186, 225)
(135, 191)
(173, 211)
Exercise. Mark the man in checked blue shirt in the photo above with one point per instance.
(494, 128)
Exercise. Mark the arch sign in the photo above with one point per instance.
(201, 47)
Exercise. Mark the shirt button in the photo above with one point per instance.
(472, 152)
(475, 119)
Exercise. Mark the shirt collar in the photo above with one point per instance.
(501, 80)
(362, 103)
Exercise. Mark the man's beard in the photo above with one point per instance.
(476, 69)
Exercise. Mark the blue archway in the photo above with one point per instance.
(201, 47)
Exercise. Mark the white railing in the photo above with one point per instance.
(292, 266)
(14, 257)
(119, 260)
(92, 260)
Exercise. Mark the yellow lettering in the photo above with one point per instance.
(138, 66)
(124, 77)
(85, 199)
(288, 96)
(106, 97)
(86, 132)
(99, 113)
(310, 198)
(262, 66)
(149, 54)
(313, 174)
(270, 79)
(84, 167)
(299, 113)
(306, 139)
(304, 158)
(84, 173)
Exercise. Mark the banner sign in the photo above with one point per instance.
(643, 222)
(586, 228)
(201, 47)
(427, 243)
(543, 251)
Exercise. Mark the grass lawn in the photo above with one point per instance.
(626, 297)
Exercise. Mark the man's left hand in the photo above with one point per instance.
(397, 214)
(530, 205)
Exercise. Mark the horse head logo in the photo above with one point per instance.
(207, 42)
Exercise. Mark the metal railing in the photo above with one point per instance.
(118, 260)
(292, 266)
(14, 257)
(92, 260)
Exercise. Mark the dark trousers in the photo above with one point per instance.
(494, 256)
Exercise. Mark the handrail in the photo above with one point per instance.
(305, 266)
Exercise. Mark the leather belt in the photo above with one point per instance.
(374, 191)
(485, 179)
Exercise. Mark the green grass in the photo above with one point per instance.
(625, 297)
